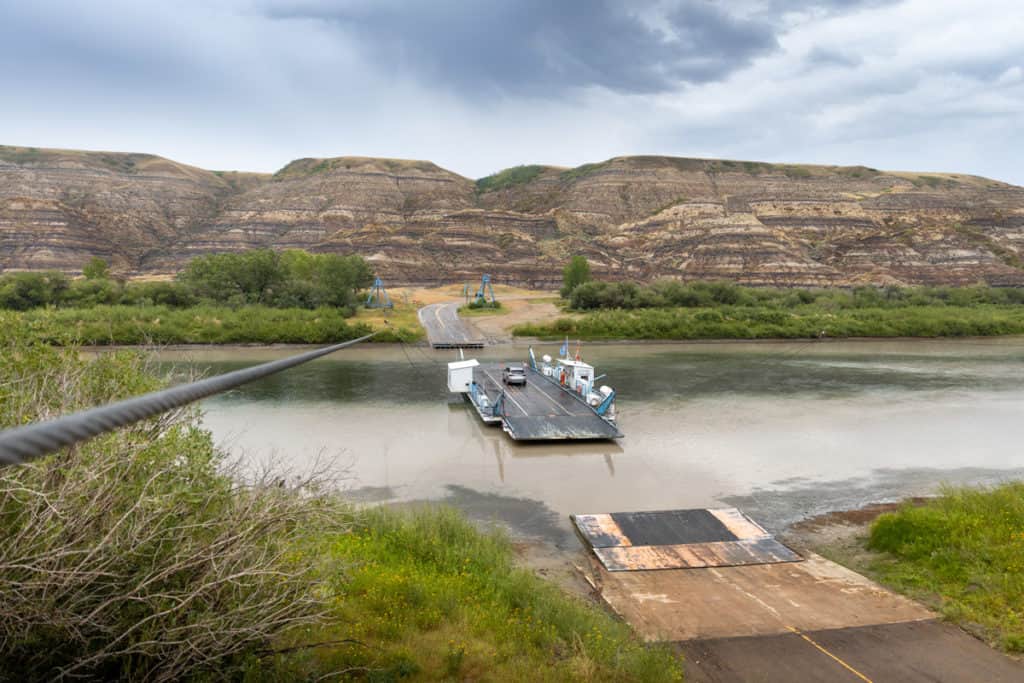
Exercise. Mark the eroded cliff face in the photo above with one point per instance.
(633, 217)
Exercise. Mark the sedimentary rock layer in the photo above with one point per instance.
(633, 217)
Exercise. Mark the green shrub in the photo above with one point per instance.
(22, 291)
(479, 304)
(964, 553)
(288, 279)
(760, 321)
(135, 556)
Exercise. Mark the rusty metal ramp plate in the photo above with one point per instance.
(553, 428)
(679, 539)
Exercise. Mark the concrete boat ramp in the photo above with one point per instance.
(744, 607)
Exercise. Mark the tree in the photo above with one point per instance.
(575, 274)
(22, 291)
(96, 269)
(292, 278)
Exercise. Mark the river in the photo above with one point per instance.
(782, 430)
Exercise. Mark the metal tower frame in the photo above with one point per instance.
(378, 297)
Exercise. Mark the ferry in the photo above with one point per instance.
(559, 400)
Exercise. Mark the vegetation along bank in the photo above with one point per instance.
(671, 309)
(961, 553)
(259, 296)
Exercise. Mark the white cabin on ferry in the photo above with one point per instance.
(460, 375)
(575, 374)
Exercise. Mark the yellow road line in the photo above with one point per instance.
(841, 662)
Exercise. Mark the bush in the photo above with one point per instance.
(289, 279)
(96, 269)
(22, 291)
(478, 304)
(962, 552)
(92, 292)
(672, 293)
(765, 321)
(201, 324)
(576, 272)
(135, 556)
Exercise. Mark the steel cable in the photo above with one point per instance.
(22, 444)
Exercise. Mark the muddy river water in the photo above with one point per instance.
(782, 430)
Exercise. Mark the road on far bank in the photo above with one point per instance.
(446, 330)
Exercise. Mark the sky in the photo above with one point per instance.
(477, 86)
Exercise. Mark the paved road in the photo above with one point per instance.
(811, 621)
(915, 651)
(445, 329)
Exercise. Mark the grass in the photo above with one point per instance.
(470, 312)
(763, 322)
(101, 325)
(430, 597)
(963, 554)
(510, 177)
(402, 317)
(19, 155)
(580, 172)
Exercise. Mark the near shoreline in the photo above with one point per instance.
(950, 552)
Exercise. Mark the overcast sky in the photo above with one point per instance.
(476, 86)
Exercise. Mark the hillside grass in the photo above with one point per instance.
(204, 324)
(963, 554)
(429, 597)
(801, 321)
(509, 177)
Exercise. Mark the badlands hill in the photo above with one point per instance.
(633, 217)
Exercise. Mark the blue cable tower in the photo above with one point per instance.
(378, 297)
(485, 288)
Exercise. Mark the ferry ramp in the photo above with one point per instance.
(446, 330)
(743, 607)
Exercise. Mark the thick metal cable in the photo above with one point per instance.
(22, 444)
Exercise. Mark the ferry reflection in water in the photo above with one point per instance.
(491, 439)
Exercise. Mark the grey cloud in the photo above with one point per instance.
(826, 56)
(773, 11)
(539, 47)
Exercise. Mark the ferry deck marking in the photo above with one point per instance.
(507, 394)
(551, 400)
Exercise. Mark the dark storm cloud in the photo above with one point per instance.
(544, 47)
